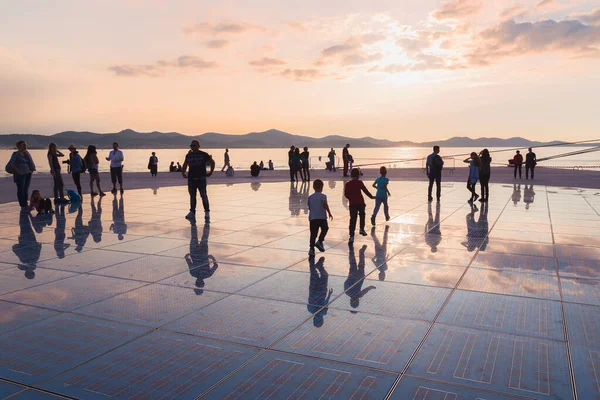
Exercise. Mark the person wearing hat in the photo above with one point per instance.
(77, 167)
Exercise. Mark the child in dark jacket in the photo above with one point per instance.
(353, 191)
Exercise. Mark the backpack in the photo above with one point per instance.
(438, 163)
(73, 196)
(9, 168)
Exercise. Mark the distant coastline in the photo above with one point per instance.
(272, 138)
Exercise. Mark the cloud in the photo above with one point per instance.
(297, 26)
(267, 62)
(511, 38)
(590, 18)
(457, 9)
(216, 44)
(514, 12)
(160, 67)
(359, 59)
(412, 45)
(302, 75)
(371, 38)
(221, 28)
(339, 49)
(422, 62)
(546, 3)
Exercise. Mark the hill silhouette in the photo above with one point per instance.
(272, 138)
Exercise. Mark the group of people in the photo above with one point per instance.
(347, 160)
(479, 171)
(299, 163)
(22, 167)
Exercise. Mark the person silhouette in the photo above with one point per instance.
(28, 249)
(433, 234)
(95, 223)
(119, 227)
(516, 196)
(198, 259)
(318, 295)
(528, 195)
(59, 231)
(356, 277)
(380, 258)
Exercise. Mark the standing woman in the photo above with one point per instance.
(484, 174)
(153, 164)
(474, 164)
(77, 165)
(297, 164)
(21, 166)
(59, 185)
(91, 160)
(305, 164)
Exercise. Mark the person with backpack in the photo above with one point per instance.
(433, 167)
(21, 166)
(78, 166)
(530, 163)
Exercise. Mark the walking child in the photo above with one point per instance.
(381, 196)
(353, 191)
(317, 216)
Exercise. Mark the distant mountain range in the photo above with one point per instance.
(272, 138)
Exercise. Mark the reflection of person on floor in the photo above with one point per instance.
(516, 196)
(528, 195)
(483, 226)
(318, 295)
(332, 184)
(255, 186)
(95, 223)
(198, 259)
(356, 275)
(80, 232)
(380, 258)
(59, 232)
(433, 234)
(27, 249)
(304, 192)
(473, 238)
(119, 227)
(294, 204)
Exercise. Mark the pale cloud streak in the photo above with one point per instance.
(267, 62)
(222, 28)
(591, 18)
(514, 12)
(457, 9)
(161, 67)
(216, 44)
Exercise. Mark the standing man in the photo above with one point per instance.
(290, 156)
(116, 167)
(197, 161)
(346, 158)
(226, 162)
(530, 163)
(518, 162)
(331, 156)
(433, 168)
(77, 167)
(153, 164)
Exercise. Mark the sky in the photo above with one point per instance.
(400, 70)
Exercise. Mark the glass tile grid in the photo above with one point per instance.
(127, 266)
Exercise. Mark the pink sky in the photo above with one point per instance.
(398, 70)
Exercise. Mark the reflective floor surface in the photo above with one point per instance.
(123, 299)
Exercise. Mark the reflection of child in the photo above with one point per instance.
(40, 204)
(356, 275)
(318, 295)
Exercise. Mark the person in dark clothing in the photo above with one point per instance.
(518, 163)
(254, 169)
(331, 157)
(59, 186)
(77, 165)
(290, 164)
(433, 167)
(353, 191)
(356, 274)
(530, 163)
(433, 234)
(198, 260)
(346, 158)
(484, 174)
(297, 164)
(21, 165)
(172, 167)
(153, 164)
(318, 295)
(197, 160)
(28, 249)
(305, 160)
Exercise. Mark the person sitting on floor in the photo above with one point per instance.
(172, 167)
(254, 169)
